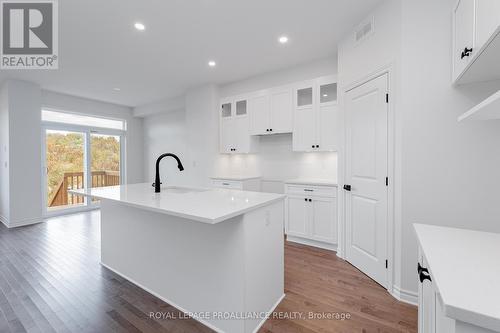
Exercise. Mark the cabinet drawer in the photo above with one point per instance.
(229, 184)
(321, 191)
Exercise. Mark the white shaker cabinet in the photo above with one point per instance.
(476, 41)
(315, 115)
(464, 34)
(487, 20)
(311, 213)
(271, 111)
(234, 134)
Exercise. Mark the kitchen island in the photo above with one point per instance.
(215, 254)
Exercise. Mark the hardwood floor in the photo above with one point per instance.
(51, 281)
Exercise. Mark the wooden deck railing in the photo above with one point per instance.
(75, 180)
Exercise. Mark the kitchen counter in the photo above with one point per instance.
(312, 181)
(203, 251)
(202, 205)
(465, 268)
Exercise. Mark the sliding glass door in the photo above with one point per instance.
(105, 157)
(65, 168)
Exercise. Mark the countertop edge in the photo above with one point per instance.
(186, 216)
(453, 311)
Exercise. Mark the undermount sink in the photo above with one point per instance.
(180, 190)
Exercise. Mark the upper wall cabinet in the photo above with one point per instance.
(234, 127)
(476, 41)
(315, 116)
(271, 111)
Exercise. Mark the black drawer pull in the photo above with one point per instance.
(308, 190)
(424, 276)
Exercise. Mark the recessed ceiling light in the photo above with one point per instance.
(283, 39)
(212, 63)
(325, 95)
(116, 89)
(139, 26)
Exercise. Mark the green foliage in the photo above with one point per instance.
(65, 153)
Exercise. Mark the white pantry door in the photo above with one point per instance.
(366, 111)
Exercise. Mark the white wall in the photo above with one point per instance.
(450, 169)
(194, 133)
(4, 155)
(21, 194)
(135, 136)
(446, 172)
(164, 133)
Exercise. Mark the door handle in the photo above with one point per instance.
(347, 188)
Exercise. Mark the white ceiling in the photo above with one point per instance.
(99, 49)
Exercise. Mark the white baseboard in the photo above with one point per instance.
(310, 242)
(19, 223)
(25, 222)
(406, 296)
(166, 300)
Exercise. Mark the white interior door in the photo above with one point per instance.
(366, 171)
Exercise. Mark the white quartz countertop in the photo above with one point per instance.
(203, 205)
(312, 181)
(465, 267)
(239, 178)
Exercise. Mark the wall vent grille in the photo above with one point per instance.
(364, 30)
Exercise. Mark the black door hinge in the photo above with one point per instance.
(386, 181)
(386, 264)
(387, 98)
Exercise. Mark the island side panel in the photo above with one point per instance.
(264, 261)
(196, 267)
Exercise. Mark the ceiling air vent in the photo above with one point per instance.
(364, 30)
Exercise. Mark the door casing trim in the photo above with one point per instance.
(392, 240)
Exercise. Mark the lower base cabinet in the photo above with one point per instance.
(431, 316)
(231, 183)
(311, 215)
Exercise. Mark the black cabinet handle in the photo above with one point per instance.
(270, 130)
(424, 276)
(312, 146)
(466, 52)
(423, 273)
(308, 190)
(310, 200)
(305, 199)
(317, 146)
(347, 188)
(421, 269)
